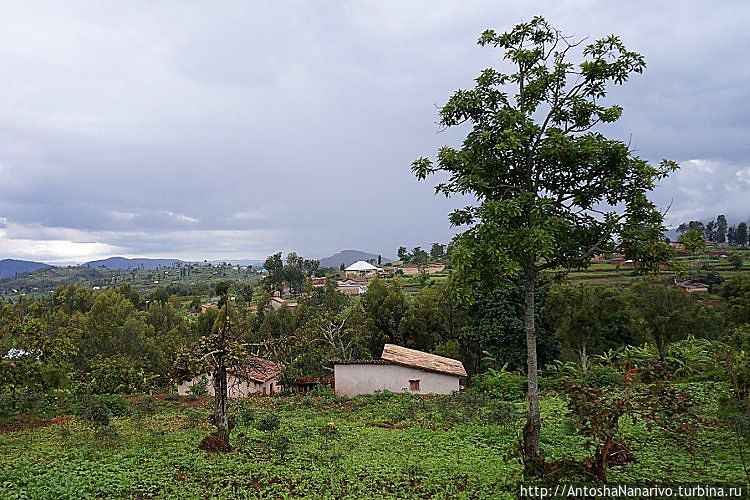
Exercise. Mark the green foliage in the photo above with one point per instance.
(694, 241)
(736, 293)
(270, 423)
(199, 388)
(503, 385)
(603, 376)
(737, 357)
(590, 319)
(494, 332)
(597, 414)
(116, 374)
(667, 314)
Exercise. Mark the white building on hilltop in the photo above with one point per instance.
(362, 268)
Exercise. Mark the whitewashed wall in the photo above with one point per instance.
(352, 380)
(237, 388)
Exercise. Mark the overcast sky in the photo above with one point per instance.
(204, 130)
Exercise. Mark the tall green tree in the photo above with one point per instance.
(386, 305)
(709, 232)
(437, 251)
(721, 229)
(544, 176)
(423, 325)
(419, 256)
(403, 254)
(274, 264)
(740, 234)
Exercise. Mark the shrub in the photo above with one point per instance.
(245, 414)
(200, 388)
(270, 423)
(114, 375)
(20, 403)
(116, 405)
(603, 376)
(502, 385)
(94, 411)
(596, 413)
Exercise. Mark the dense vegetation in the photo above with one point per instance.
(645, 346)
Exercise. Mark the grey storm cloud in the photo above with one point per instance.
(233, 130)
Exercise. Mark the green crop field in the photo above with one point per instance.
(385, 445)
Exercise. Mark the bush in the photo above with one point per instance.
(506, 386)
(245, 414)
(19, 403)
(270, 423)
(116, 405)
(99, 410)
(200, 388)
(602, 376)
(114, 375)
(94, 411)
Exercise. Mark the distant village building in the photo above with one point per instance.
(277, 303)
(352, 286)
(209, 305)
(411, 269)
(362, 268)
(434, 268)
(691, 286)
(399, 370)
(415, 269)
(254, 376)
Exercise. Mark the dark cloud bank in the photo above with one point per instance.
(226, 130)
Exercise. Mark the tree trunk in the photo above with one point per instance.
(584, 359)
(220, 393)
(533, 461)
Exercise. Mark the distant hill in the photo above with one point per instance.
(12, 267)
(349, 257)
(123, 263)
(239, 262)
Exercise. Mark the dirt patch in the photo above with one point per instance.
(20, 426)
(214, 443)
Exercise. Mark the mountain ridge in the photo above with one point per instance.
(11, 267)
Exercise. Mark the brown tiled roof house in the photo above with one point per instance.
(254, 375)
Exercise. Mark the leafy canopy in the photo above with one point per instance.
(552, 191)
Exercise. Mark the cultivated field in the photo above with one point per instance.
(386, 445)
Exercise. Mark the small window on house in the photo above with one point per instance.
(414, 385)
